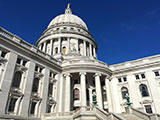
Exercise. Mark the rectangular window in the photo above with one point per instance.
(33, 106)
(124, 79)
(49, 107)
(3, 54)
(119, 80)
(18, 61)
(148, 109)
(12, 104)
(137, 77)
(143, 76)
(156, 73)
(50, 89)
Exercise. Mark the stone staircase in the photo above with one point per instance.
(130, 117)
(95, 113)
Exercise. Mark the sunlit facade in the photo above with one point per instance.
(61, 73)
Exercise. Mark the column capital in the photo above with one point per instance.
(97, 74)
(67, 75)
(107, 77)
(82, 73)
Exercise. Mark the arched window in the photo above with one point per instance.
(56, 50)
(64, 50)
(76, 94)
(17, 79)
(35, 85)
(124, 91)
(144, 90)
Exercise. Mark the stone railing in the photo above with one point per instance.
(138, 62)
(145, 116)
(92, 62)
(115, 116)
(26, 45)
(58, 114)
(101, 113)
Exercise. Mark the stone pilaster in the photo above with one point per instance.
(7, 80)
(44, 90)
(109, 97)
(28, 88)
(83, 89)
(98, 90)
(68, 93)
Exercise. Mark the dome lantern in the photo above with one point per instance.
(68, 9)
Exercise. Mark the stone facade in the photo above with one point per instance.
(61, 73)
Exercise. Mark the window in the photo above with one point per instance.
(148, 109)
(119, 80)
(76, 81)
(144, 90)
(17, 79)
(124, 79)
(72, 28)
(12, 104)
(56, 50)
(21, 62)
(57, 28)
(52, 75)
(140, 76)
(137, 77)
(143, 76)
(156, 73)
(3, 54)
(50, 89)
(64, 50)
(104, 95)
(76, 94)
(38, 69)
(49, 107)
(33, 106)
(124, 91)
(35, 85)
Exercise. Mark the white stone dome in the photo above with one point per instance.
(68, 17)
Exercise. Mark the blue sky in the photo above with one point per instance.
(124, 29)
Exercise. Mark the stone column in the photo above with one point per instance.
(59, 45)
(94, 50)
(77, 46)
(90, 49)
(84, 50)
(68, 93)
(109, 97)
(44, 47)
(40, 46)
(98, 90)
(51, 49)
(68, 45)
(83, 89)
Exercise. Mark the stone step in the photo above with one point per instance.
(130, 117)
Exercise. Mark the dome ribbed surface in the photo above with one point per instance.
(68, 18)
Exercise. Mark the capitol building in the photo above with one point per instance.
(59, 78)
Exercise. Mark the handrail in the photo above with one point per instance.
(140, 114)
